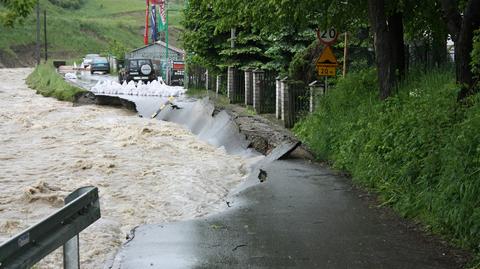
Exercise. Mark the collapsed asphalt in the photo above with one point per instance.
(300, 215)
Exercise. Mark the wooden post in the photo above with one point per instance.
(345, 55)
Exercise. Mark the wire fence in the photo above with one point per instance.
(269, 92)
(238, 87)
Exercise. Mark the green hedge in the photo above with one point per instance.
(70, 4)
(420, 149)
(48, 82)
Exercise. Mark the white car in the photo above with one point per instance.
(87, 61)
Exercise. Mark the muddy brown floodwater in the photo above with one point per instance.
(147, 171)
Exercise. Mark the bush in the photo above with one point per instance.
(68, 4)
(419, 149)
(49, 83)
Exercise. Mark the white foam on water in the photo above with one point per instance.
(71, 76)
(154, 88)
(147, 171)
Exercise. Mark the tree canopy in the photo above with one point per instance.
(270, 33)
(15, 10)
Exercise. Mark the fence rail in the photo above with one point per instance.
(81, 209)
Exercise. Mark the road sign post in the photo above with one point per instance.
(327, 63)
(328, 36)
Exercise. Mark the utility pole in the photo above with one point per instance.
(167, 73)
(37, 47)
(45, 34)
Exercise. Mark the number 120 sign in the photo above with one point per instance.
(327, 37)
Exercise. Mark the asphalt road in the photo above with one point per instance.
(302, 216)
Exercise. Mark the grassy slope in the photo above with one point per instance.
(73, 33)
(420, 149)
(47, 82)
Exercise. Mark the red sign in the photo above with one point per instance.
(327, 37)
(178, 65)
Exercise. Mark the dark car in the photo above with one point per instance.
(136, 70)
(100, 64)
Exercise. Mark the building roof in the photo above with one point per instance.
(163, 44)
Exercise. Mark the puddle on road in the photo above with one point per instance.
(147, 171)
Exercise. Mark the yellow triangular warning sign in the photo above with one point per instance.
(327, 57)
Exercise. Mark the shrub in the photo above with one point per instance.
(419, 149)
(68, 4)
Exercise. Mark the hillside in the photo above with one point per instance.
(77, 27)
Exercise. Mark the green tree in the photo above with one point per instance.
(462, 18)
(15, 10)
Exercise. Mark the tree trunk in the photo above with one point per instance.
(439, 48)
(395, 29)
(389, 47)
(461, 30)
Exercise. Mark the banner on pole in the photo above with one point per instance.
(153, 16)
(145, 35)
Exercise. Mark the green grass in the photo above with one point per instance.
(47, 82)
(220, 100)
(419, 150)
(73, 33)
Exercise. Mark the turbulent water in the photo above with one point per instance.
(147, 171)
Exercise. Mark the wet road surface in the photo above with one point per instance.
(302, 216)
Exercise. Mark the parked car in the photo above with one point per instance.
(137, 70)
(100, 64)
(87, 61)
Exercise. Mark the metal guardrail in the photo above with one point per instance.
(81, 209)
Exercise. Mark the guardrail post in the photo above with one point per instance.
(71, 254)
(71, 249)
(81, 209)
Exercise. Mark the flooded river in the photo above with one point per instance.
(147, 171)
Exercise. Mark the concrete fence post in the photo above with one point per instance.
(206, 80)
(248, 87)
(278, 97)
(282, 98)
(258, 84)
(316, 89)
(231, 83)
(218, 85)
(287, 104)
